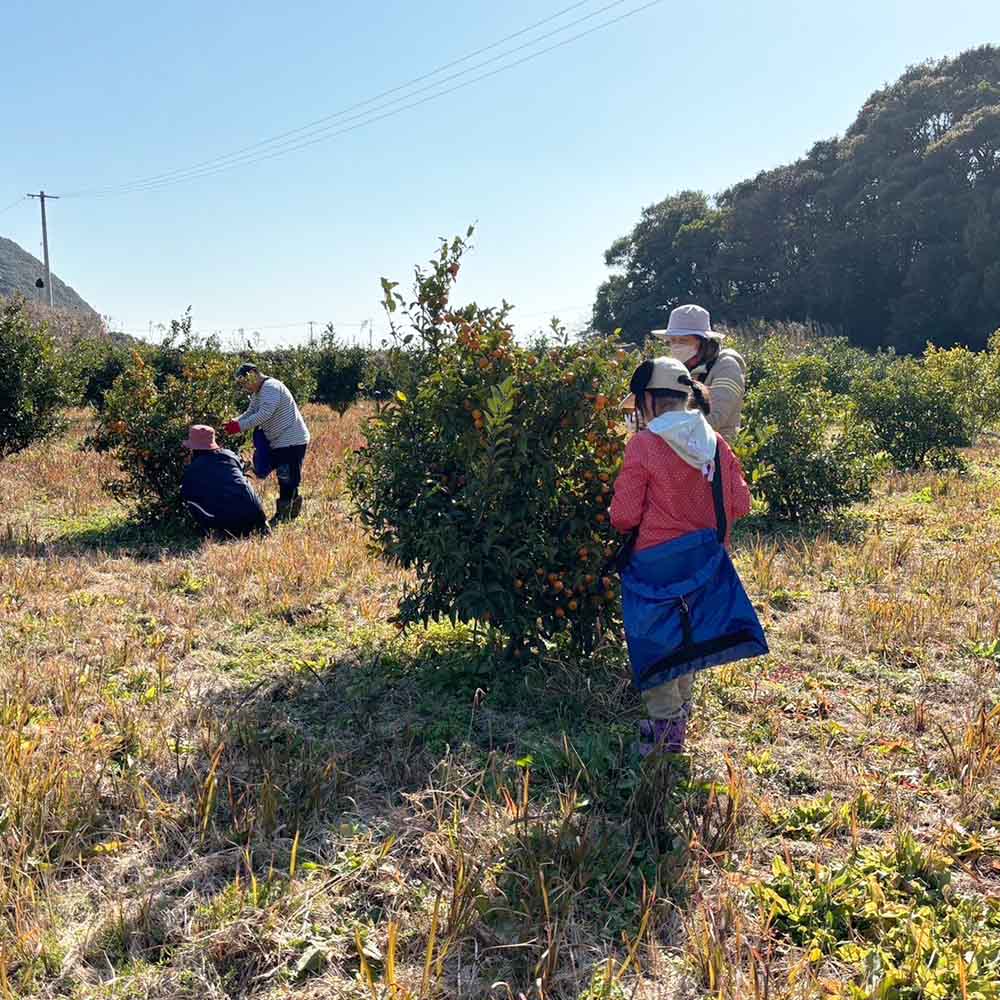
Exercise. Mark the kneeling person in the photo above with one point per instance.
(273, 409)
(215, 490)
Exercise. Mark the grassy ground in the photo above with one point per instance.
(224, 774)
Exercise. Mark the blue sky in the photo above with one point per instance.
(553, 159)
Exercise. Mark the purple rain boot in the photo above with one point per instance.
(665, 735)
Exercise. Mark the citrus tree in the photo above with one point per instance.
(34, 381)
(145, 418)
(915, 417)
(489, 471)
(801, 448)
(971, 380)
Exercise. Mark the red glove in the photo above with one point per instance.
(233, 427)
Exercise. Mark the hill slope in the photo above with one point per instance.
(18, 272)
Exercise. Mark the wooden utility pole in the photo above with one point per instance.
(41, 196)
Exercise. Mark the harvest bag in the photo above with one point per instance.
(684, 606)
(261, 454)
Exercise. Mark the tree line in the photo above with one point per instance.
(889, 235)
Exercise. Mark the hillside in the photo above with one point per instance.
(18, 272)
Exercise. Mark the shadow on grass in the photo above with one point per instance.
(113, 534)
(510, 791)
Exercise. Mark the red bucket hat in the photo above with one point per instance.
(200, 438)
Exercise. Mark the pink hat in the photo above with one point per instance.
(200, 438)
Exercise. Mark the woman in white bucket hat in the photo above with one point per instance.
(696, 345)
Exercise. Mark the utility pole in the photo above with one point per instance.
(369, 335)
(312, 340)
(41, 196)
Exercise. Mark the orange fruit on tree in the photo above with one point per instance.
(560, 613)
(558, 585)
(573, 605)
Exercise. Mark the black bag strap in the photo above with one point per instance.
(620, 559)
(720, 504)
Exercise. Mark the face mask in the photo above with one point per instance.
(683, 353)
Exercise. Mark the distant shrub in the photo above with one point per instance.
(971, 381)
(95, 364)
(803, 452)
(912, 414)
(340, 372)
(35, 384)
(295, 366)
(765, 345)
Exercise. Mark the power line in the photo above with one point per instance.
(344, 111)
(13, 204)
(310, 137)
(326, 134)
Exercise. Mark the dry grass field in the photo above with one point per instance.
(224, 773)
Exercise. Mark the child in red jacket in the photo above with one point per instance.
(665, 491)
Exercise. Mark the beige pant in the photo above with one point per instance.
(669, 701)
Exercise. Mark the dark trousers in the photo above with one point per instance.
(287, 464)
(221, 528)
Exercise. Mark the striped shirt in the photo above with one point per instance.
(727, 385)
(273, 409)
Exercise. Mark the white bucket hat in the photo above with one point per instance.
(689, 321)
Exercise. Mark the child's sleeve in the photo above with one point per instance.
(630, 489)
(737, 491)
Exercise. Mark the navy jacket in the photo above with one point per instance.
(215, 482)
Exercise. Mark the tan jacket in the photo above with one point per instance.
(727, 384)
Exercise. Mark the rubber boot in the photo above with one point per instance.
(282, 513)
(296, 507)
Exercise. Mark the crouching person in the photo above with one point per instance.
(215, 490)
(684, 608)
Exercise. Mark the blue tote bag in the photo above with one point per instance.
(684, 606)
(262, 466)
